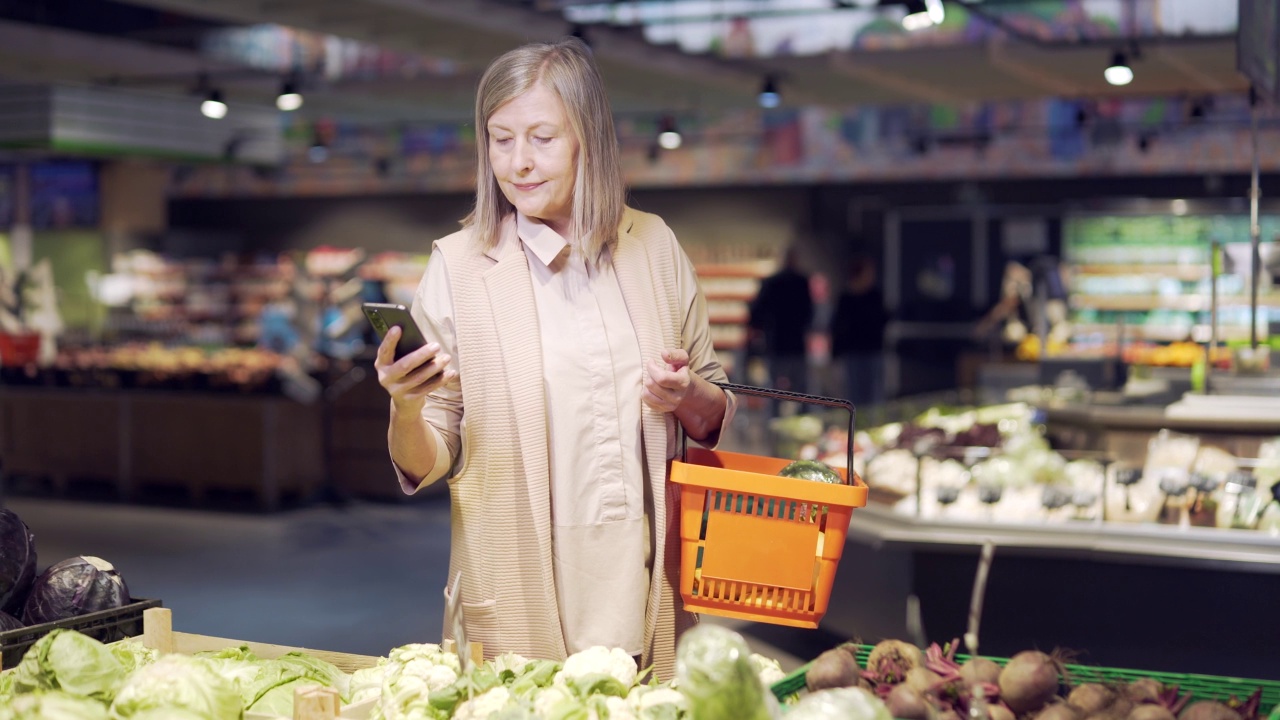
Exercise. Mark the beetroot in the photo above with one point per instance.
(835, 668)
(1208, 710)
(1150, 712)
(999, 712)
(1092, 698)
(1030, 680)
(978, 670)
(1060, 711)
(921, 679)
(907, 703)
(891, 660)
(1145, 690)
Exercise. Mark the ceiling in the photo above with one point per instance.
(155, 45)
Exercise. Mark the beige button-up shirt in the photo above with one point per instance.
(592, 379)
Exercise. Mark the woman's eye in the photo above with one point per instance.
(502, 141)
(542, 140)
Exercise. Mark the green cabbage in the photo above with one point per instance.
(840, 704)
(55, 705)
(179, 683)
(715, 672)
(132, 655)
(74, 663)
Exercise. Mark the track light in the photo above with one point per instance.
(668, 134)
(769, 96)
(289, 98)
(1118, 72)
(213, 107)
(922, 14)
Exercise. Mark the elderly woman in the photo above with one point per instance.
(568, 337)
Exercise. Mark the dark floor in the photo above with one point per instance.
(362, 578)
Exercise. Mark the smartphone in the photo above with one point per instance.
(384, 316)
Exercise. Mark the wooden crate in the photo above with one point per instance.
(311, 702)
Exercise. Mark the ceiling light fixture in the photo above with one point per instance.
(669, 137)
(769, 96)
(1119, 73)
(213, 107)
(289, 98)
(922, 14)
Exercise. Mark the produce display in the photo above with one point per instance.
(995, 464)
(75, 586)
(156, 365)
(934, 684)
(717, 678)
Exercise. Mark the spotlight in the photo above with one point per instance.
(922, 14)
(668, 134)
(289, 98)
(1119, 72)
(213, 107)
(769, 96)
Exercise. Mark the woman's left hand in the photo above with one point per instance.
(667, 382)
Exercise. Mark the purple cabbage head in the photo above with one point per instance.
(17, 562)
(75, 586)
(9, 622)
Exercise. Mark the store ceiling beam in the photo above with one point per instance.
(1206, 81)
(90, 56)
(851, 65)
(997, 56)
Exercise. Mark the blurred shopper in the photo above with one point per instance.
(781, 315)
(567, 338)
(857, 333)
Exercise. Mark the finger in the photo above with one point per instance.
(428, 370)
(669, 396)
(655, 402)
(387, 348)
(676, 358)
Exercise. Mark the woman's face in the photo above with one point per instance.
(534, 156)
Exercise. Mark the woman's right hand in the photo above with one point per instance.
(413, 377)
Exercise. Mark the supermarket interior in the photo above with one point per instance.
(1002, 275)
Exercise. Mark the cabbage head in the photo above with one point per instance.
(55, 705)
(840, 704)
(715, 672)
(278, 679)
(71, 662)
(177, 683)
(132, 654)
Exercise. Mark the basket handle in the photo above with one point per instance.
(784, 395)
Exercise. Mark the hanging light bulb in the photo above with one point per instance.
(769, 96)
(289, 98)
(669, 137)
(213, 107)
(1118, 72)
(922, 14)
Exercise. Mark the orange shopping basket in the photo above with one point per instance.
(757, 546)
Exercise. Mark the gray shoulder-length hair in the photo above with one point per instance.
(567, 69)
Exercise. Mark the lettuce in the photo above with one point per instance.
(55, 705)
(177, 683)
(71, 662)
(715, 672)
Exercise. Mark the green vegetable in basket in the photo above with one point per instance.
(177, 683)
(811, 470)
(71, 662)
(132, 655)
(274, 686)
(715, 672)
(54, 705)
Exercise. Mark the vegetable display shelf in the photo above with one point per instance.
(1199, 687)
(310, 702)
(104, 626)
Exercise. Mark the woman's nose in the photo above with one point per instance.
(523, 156)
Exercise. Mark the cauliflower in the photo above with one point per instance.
(769, 670)
(509, 661)
(484, 705)
(548, 698)
(429, 652)
(600, 660)
(366, 683)
(618, 709)
(648, 701)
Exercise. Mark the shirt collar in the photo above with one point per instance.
(546, 244)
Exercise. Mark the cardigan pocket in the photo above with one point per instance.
(481, 619)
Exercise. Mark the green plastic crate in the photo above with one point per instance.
(1200, 687)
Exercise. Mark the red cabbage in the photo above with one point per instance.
(75, 586)
(17, 562)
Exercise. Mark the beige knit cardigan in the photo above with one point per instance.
(501, 504)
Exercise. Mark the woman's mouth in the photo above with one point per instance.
(525, 187)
